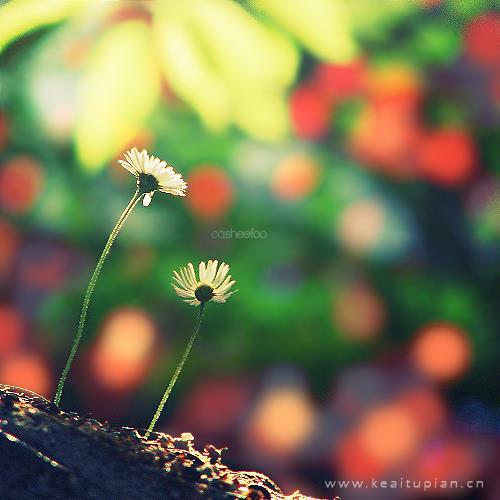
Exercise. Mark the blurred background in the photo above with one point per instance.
(341, 156)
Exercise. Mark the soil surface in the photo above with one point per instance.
(46, 453)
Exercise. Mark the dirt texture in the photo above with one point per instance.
(46, 453)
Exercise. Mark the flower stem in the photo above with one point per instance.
(177, 372)
(90, 290)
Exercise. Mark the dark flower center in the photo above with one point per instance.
(204, 293)
(147, 183)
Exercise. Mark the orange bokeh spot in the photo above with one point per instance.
(210, 192)
(11, 329)
(385, 138)
(21, 180)
(482, 39)
(396, 85)
(281, 423)
(359, 313)
(360, 225)
(124, 349)
(389, 434)
(28, 371)
(447, 157)
(340, 81)
(310, 112)
(442, 352)
(295, 177)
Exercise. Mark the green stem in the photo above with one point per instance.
(90, 290)
(177, 372)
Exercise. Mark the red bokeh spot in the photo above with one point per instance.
(210, 192)
(21, 180)
(442, 352)
(340, 81)
(11, 329)
(354, 462)
(27, 370)
(426, 407)
(202, 409)
(447, 157)
(310, 112)
(482, 39)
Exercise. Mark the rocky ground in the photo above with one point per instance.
(47, 453)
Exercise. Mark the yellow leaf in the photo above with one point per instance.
(22, 16)
(323, 26)
(187, 70)
(119, 90)
(248, 53)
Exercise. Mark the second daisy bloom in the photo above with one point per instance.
(213, 283)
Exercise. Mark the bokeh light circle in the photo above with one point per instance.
(447, 156)
(21, 180)
(27, 370)
(310, 112)
(210, 192)
(482, 39)
(396, 85)
(282, 421)
(389, 434)
(124, 349)
(442, 352)
(358, 312)
(360, 225)
(340, 81)
(392, 151)
(12, 329)
(295, 177)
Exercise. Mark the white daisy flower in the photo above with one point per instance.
(152, 175)
(213, 283)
